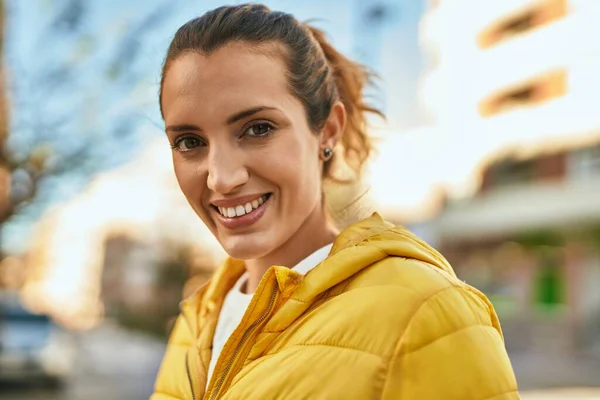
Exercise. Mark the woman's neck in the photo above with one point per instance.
(312, 235)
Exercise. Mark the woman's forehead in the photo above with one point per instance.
(234, 76)
(235, 62)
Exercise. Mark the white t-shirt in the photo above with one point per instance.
(236, 302)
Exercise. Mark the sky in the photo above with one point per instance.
(106, 57)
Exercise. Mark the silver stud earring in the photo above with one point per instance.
(327, 154)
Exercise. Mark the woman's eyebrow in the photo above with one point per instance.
(246, 113)
(182, 128)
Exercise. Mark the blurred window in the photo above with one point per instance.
(540, 89)
(510, 172)
(533, 17)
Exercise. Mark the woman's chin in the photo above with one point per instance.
(244, 249)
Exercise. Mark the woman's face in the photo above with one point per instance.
(244, 155)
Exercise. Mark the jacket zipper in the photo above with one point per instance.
(189, 375)
(242, 341)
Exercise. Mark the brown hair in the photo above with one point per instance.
(318, 74)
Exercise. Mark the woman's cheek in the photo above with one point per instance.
(189, 178)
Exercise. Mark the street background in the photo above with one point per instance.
(490, 152)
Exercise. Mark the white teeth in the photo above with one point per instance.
(240, 210)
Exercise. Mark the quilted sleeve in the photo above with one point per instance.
(452, 349)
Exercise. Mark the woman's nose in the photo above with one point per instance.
(226, 172)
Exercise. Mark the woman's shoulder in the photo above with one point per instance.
(402, 294)
(408, 273)
(406, 278)
(396, 259)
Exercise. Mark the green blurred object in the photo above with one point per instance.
(549, 289)
(540, 238)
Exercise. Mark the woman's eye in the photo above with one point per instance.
(261, 129)
(187, 143)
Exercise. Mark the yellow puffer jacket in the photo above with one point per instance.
(383, 317)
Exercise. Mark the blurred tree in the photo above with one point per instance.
(4, 177)
(78, 94)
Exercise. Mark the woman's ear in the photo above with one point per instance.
(333, 129)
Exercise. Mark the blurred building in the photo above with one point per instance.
(512, 88)
(141, 283)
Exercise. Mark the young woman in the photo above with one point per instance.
(257, 106)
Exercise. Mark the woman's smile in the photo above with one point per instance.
(241, 212)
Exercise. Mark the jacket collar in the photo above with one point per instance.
(356, 247)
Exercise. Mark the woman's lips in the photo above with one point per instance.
(244, 215)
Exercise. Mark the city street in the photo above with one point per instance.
(113, 364)
(546, 370)
(563, 394)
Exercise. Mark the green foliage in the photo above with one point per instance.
(595, 237)
(540, 238)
